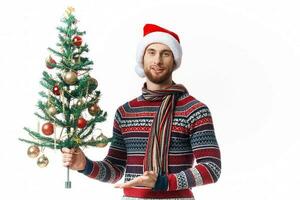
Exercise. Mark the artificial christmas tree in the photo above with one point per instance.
(70, 103)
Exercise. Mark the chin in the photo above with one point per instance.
(158, 79)
(161, 78)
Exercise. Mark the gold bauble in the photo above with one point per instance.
(70, 77)
(94, 109)
(102, 139)
(42, 161)
(33, 151)
(80, 102)
(101, 145)
(52, 110)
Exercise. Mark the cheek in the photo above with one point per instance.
(147, 61)
(169, 62)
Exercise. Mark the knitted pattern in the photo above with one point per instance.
(192, 138)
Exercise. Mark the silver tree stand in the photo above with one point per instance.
(68, 182)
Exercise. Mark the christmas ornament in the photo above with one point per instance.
(42, 161)
(70, 77)
(75, 21)
(102, 139)
(94, 109)
(81, 123)
(77, 139)
(48, 128)
(77, 41)
(93, 84)
(80, 102)
(56, 90)
(69, 10)
(76, 58)
(49, 61)
(33, 151)
(52, 110)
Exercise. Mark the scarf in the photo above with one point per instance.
(156, 158)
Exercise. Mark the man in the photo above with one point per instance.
(157, 135)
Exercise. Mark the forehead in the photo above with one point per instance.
(158, 47)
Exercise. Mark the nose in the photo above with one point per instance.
(157, 59)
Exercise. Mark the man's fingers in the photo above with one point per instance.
(66, 150)
(152, 172)
(117, 185)
(148, 179)
(67, 159)
(148, 173)
(67, 164)
(70, 151)
(132, 183)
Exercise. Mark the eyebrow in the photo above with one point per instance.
(164, 50)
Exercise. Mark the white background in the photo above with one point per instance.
(241, 58)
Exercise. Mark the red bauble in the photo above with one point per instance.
(81, 123)
(50, 60)
(56, 90)
(48, 128)
(77, 41)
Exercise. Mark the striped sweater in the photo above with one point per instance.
(192, 138)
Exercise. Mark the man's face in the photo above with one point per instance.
(158, 63)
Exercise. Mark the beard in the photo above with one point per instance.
(158, 79)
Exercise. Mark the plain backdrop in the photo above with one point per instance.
(241, 58)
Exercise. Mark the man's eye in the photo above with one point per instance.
(166, 54)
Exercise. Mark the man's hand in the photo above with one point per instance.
(73, 158)
(147, 180)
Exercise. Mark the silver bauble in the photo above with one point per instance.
(42, 161)
(102, 139)
(52, 110)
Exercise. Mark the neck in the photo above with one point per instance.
(159, 86)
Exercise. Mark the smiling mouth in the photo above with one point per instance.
(157, 69)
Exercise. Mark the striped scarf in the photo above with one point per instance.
(156, 158)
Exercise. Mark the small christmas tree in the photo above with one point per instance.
(70, 106)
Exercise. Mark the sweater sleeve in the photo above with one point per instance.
(206, 152)
(112, 168)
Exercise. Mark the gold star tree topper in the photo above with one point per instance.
(70, 10)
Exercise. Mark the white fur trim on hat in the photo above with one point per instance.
(157, 37)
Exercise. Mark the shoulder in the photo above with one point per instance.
(197, 112)
(127, 106)
(191, 104)
(131, 103)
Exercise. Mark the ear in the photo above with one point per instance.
(143, 64)
(174, 65)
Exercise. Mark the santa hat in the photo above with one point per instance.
(157, 34)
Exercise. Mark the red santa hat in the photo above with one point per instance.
(157, 34)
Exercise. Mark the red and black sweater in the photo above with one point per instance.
(192, 139)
